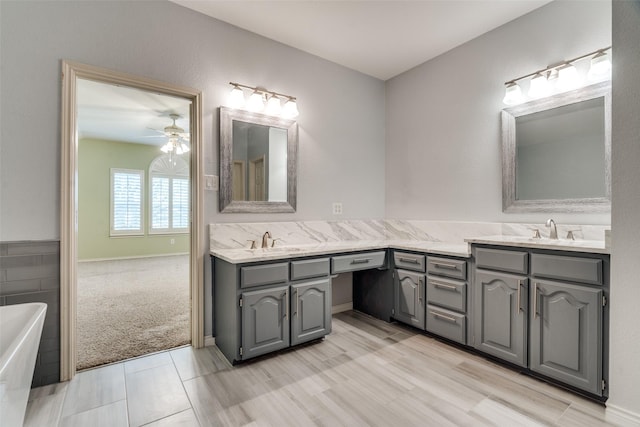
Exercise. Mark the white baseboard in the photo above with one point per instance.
(341, 307)
(209, 341)
(624, 413)
(132, 257)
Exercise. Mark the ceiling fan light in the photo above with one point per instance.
(273, 106)
(236, 97)
(513, 94)
(166, 147)
(256, 102)
(185, 148)
(290, 109)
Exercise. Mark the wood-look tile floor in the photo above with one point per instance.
(366, 373)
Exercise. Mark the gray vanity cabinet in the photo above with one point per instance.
(545, 311)
(310, 310)
(409, 298)
(267, 306)
(566, 333)
(265, 321)
(501, 315)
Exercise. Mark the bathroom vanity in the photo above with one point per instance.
(539, 305)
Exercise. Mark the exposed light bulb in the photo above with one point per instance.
(290, 109)
(600, 67)
(273, 106)
(513, 94)
(256, 102)
(568, 77)
(539, 86)
(236, 97)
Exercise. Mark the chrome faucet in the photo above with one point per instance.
(553, 234)
(265, 240)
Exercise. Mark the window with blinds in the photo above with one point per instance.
(169, 198)
(126, 202)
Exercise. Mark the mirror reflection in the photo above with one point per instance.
(560, 152)
(557, 153)
(258, 162)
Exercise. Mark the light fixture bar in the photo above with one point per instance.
(556, 66)
(263, 90)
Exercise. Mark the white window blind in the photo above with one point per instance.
(169, 198)
(126, 201)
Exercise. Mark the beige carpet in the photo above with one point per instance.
(127, 308)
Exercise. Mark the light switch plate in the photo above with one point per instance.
(211, 182)
(337, 208)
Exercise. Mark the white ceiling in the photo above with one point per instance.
(125, 114)
(378, 38)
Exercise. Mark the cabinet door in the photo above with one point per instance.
(310, 310)
(566, 333)
(409, 300)
(265, 321)
(500, 315)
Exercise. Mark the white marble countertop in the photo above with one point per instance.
(591, 246)
(238, 256)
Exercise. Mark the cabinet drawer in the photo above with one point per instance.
(409, 261)
(496, 259)
(355, 262)
(584, 270)
(447, 267)
(265, 274)
(308, 268)
(447, 324)
(447, 293)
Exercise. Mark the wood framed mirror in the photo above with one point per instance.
(258, 162)
(556, 153)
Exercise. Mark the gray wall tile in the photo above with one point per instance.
(30, 272)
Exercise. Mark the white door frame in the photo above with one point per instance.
(71, 71)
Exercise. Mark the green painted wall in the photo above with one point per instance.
(96, 158)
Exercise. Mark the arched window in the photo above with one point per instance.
(169, 195)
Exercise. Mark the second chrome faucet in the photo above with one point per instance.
(553, 233)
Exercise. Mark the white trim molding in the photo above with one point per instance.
(71, 71)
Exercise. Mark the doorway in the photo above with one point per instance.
(133, 223)
(156, 213)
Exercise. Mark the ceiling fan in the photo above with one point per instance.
(178, 139)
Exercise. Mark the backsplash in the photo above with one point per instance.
(240, 235)
(30, 272)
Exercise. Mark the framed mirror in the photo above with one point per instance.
(258, 162)
(556, 153)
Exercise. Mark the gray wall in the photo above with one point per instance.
(625, 221)
(443, 117)
(341, 122)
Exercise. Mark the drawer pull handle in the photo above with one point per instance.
(443, 316)
(535, 301)
(444, 286)
(361, 261)
(286, 304)
(409, 260)
(446, 265)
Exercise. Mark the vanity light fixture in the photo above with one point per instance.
(273, 106)
(261, 96)
(559, 77)
(236, 97)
